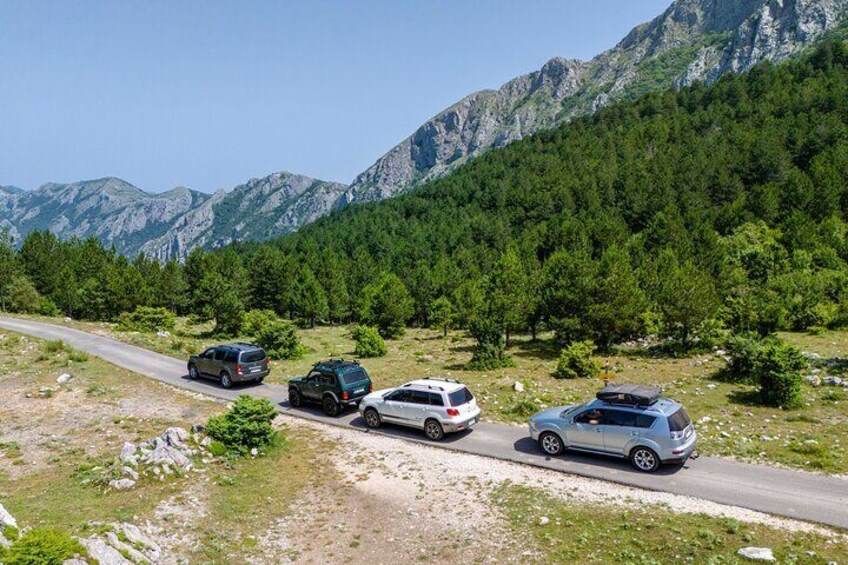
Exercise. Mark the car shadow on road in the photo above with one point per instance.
(528, 446)
(214, 383)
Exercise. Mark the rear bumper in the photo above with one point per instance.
(679, 454)
(457, 425)
(246, 377)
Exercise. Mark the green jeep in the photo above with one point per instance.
(334, 384)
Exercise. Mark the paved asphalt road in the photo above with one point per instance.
(794, 494)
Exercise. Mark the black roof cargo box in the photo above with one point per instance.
(632, 395)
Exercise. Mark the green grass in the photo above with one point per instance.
(583, 533)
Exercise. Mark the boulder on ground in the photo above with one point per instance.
(64, 378)
(121, 484)
(518, 387)
(757, 554)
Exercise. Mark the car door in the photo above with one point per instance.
(204, 361)
(417, 407)
(216, 364)
(395, 405)
(312, 386)
(619, 430)
(587, 430)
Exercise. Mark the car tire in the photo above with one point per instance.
(372, 418)
(295, 400)
(644, 459)
(226, 380)
(330, 406)
(434, 430)
(192, 372)
(551, 444)
(259, 381)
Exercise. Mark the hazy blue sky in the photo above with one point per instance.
(207, 94)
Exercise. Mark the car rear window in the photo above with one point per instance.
(252, 356)
(354, 376)
(679, 421)
(460, 397)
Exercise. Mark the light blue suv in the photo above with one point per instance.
(629, 421)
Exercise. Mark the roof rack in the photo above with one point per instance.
(629, 395)
(335, 362)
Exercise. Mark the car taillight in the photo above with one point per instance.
(678, 435)
(453, 412)
(239, 369)
(345, 396)
(371, 387)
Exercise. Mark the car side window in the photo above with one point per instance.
(399, 396)
(420, 397)
(328, 379)
(313, 376)
(644, 421)
(231, 357)
(621, 418)
(208, 354)
(436, 399)
(593, 417)
(219, 354)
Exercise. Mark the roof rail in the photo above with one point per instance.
(336, 362)
(443, 379)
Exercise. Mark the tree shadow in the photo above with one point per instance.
(745, 397)
(538, 349)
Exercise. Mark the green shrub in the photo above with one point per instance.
(576, 361)
(816, 330)
(255, 320)
(279, 340)
(369, 343)
(43, 546)
(46, 307)
(247, 424)
(489, 356)
(777, 369)
(77, 356)
(742, 350)
(147, 319)
(55, 346)
(489, 353)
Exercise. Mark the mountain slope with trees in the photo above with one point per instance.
(677, 214)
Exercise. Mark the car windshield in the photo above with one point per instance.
(460, 397)
(353, 376)
(252, 356)
(679, 421)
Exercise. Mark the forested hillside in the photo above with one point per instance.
(676, 214)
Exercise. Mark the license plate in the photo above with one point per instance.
(357, 391)
(256, 369)
(472, 422)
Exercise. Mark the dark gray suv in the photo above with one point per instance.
(232, 363)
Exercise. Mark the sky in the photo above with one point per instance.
(207, 94)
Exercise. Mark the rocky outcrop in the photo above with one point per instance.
(694, 40)
(121, 544)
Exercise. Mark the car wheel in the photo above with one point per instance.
(192, 372)
(372, 418)
(294, 398)
(551, 444)
(259, 381)
(645, 459)
(434, 430)
(331, 407)
(226, 380)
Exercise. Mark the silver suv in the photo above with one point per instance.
(437, 406)
(630, 421)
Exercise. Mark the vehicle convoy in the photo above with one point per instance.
(334, 384)
(231, 363)
(437, 406)
(631, 421)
